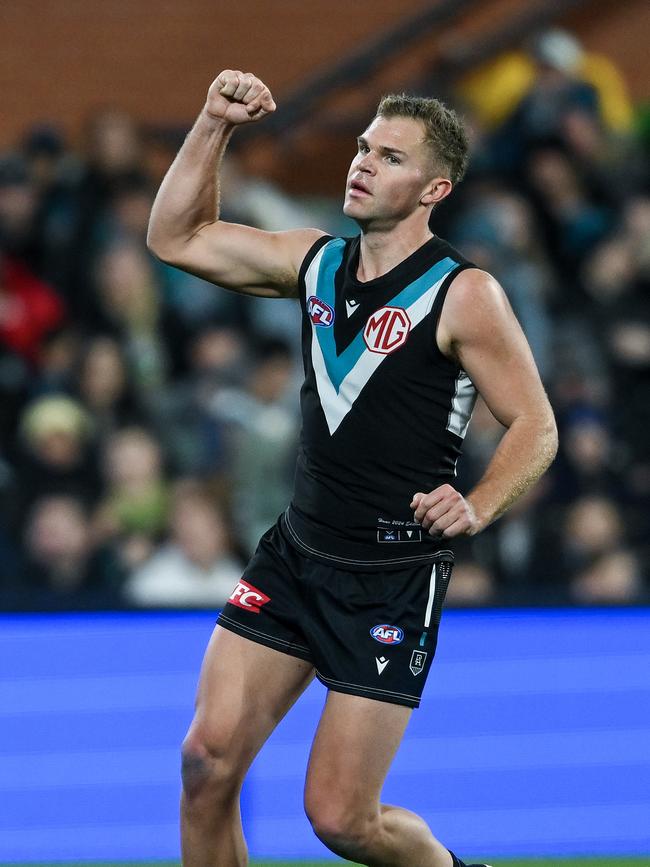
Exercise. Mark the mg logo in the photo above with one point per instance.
(248, 597)
(386, 330)
(320, 313)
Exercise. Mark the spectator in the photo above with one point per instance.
(497, 87)
(532, 95)
(55, 173)
(196, 567)
(497, 230)
(133, 513)
(29, 309)
(265, 432)
(128, 307)
(57, 360)
(574, 222)
(55, 456)
(587, 463)
(471, 585)
(193, 433)
(18, 209)
(61, 566)
(600, 567)
(104, 388)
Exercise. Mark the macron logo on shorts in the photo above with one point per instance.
(248, 597)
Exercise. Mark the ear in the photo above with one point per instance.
(437, 190)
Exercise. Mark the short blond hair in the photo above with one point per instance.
(444, 130)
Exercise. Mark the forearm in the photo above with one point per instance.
(523, 455)
(188, 198)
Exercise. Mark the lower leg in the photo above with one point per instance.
(219, 843)
(234, 717)
(406, 839)
(211, 831)
(393, 837)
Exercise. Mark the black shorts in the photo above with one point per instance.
(371, 634)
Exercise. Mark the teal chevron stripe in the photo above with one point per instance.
(410, 294)
(338, 366)
(329, 265)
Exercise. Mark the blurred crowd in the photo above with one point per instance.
(149, 422)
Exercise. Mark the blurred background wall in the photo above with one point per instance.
(154, 57)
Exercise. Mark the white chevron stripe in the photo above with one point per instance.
(337, 406)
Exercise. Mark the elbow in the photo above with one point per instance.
(158, 248)
(551, 438)
(154, 244)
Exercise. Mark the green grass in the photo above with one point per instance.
(498, 862)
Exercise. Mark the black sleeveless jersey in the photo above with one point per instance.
(384, 412)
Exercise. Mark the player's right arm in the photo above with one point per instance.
(185, 229)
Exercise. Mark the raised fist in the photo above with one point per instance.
(238, 97)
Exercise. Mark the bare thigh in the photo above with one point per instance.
(244, 691)
(354, 747)
(355, 744)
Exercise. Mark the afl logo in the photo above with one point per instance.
(320, 313)
(387, 634)
(386, 330)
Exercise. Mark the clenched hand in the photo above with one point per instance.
(238, 97)
(445, 512)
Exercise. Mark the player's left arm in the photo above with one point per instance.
(478, 329)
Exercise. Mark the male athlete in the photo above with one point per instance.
(399, 334)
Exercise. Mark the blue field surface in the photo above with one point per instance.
(533, 740)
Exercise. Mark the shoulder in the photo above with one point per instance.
(333, 248)
(312, 240)
(303, 240)
(475, 302)
(473, 293)
(473, 284)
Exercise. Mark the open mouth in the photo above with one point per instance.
(356, 187)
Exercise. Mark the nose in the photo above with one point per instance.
(366, 164)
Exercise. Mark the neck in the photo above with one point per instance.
(382, 249)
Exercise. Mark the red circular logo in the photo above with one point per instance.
(386, 330)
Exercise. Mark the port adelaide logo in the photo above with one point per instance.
(387, 634)
(320, 312)
(418, 660)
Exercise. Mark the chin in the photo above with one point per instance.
(353, 209)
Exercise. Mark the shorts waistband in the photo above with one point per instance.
(350, 555)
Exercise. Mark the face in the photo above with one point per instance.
(391, 174)
(103, 376)
(198, 528)
(57, 529)
(133, 458)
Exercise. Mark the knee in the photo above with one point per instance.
(342, 826)
(209, 767)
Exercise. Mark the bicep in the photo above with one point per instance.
(246, 259)
(490, 345)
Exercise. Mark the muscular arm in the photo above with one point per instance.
(185, 229)
(479, 330)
